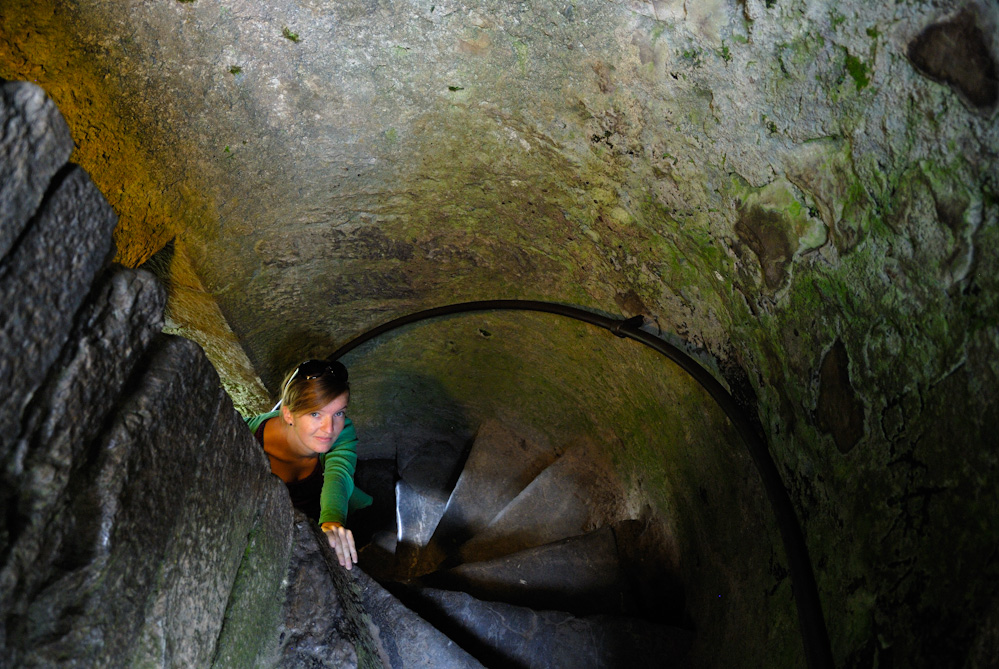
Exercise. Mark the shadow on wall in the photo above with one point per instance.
(402, 409)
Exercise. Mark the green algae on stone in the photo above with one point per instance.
(521, 50)
(775, 225)
(887, 285)
(909, 338)
(824, 170)
(858, 71)
(797, 58)
(935, 214)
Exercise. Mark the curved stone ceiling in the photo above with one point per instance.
(803, 192)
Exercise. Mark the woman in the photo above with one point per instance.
(311, 445)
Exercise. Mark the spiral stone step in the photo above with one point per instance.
(378, 557)
(580, 574)
(417, 512)
(500, 465)
(421, 495)
(427, 473)
(575, 494)
(505, 635)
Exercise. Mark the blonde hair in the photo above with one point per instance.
(302, 394)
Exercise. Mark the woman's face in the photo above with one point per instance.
(317, 430)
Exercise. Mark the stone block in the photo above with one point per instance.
(154, 531)
(221, 529)
(504, 635)
(43, 283)
(67, 414)
(251, 633)
(580, 574)
(314, 631)
(406, 639)
(34, 144)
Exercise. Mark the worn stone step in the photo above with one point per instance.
(405, 639)
(432, 463)
(377, 477)
(417, 512)
(577, 493)
(505, 635)
(378, 556)
(580, 574)
(427, 474)
(500, 465)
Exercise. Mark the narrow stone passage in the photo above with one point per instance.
(803, 196)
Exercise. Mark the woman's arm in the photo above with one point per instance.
(338, 476)
(338, 484)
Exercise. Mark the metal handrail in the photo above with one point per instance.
(815, 637)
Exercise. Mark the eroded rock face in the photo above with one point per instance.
(763, 232)
(315, 631)
(49, 270)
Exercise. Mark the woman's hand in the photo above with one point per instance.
(342, 542)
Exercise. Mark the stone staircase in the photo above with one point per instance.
(527, 558)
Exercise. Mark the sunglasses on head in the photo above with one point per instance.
(313, 369)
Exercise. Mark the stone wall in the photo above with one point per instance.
(139, 522)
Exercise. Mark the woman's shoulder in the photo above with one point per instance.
(256, 421)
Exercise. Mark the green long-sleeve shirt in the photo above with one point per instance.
(339, 495)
